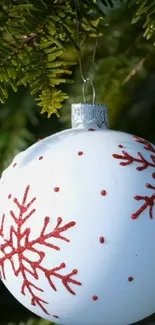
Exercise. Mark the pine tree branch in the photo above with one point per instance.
(34, 43)
(36, 36)
(146, 15)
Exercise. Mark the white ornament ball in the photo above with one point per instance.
(77, 224)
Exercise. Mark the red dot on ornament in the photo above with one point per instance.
(75, 271)
(130, 278)
(103, 192)
(63, 265)
(80, 153)
(41, 157)
(9, 196)
(55, 316)
(91, 129)
(101, 239)
(56, 189)
(95, 298)
(14, 165)
(120, 146)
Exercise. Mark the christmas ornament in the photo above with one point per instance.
(77, 228)
(77, 224)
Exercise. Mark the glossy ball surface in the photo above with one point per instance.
(77, 228)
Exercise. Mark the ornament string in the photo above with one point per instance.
(87, 81)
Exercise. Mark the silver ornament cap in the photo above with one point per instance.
(84, 116)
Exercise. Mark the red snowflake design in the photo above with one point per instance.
(26, 211)
(148, 202)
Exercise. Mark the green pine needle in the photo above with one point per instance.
(51, 100)
(146, 14)
(37, 34)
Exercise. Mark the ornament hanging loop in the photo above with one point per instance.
(87, 83)
(89, 80)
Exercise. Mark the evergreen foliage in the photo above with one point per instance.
(146, 14)
(33, 42)
(35, 37)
